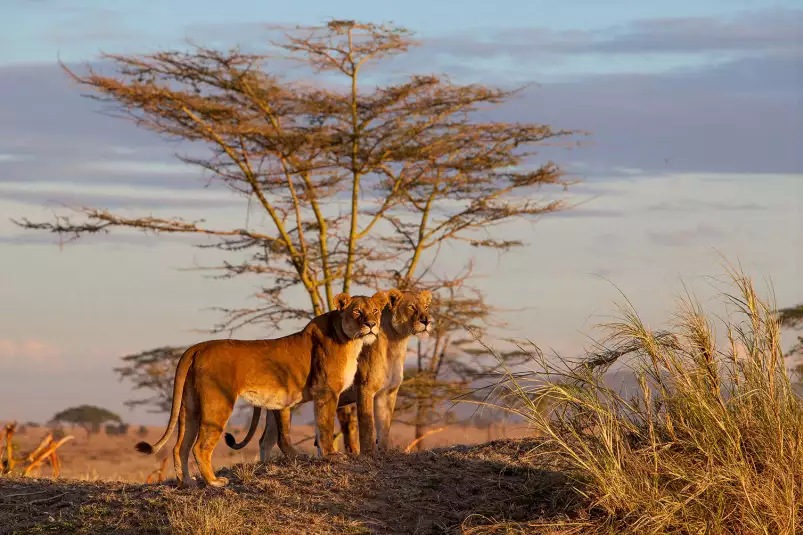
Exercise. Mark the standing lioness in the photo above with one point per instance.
(380, 372)
(315, 364)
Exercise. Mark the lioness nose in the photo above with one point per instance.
(370, 324)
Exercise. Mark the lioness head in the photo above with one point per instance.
(410, 312)
(360, 315)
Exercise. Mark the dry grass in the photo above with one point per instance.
(246, 472)
(712, 443)
(212, 516)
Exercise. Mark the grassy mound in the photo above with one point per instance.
(440, 491)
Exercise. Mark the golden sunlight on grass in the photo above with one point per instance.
(712, 441)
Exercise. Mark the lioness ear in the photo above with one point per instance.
(426, 295)
(342, 301)
(394, 296)
(381, 299)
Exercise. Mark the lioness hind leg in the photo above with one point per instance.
(178, 466)
(347, 417)
(187, 433)
(282, 423)
(215, 411)
(385, 403)
(269, 436)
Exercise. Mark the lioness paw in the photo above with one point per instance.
(219, 482)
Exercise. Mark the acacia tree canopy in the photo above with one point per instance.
(87, 416)
(791, 317)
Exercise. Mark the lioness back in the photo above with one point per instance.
(268, 373)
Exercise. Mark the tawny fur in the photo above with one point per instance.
(380, 372)
(310, 365)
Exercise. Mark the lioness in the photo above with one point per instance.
(380, 371)
(316, 364)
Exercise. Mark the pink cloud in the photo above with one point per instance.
(30, 350)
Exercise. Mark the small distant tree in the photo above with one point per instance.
(792, 316)
(361, 183)
(88, 417)
(152, 371)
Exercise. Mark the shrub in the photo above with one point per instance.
(711, 443)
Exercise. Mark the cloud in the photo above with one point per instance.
(707, 119)
(695, 205)
(582, 212)
(111, 238)
(685, 237)
(775, 30)
(5, 158)
(67, 22)
(112, 197)
(766, 30)
(28, 350)
(41, 110)
(756, 31)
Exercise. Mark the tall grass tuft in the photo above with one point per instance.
(712, 440)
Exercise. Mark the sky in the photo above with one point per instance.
(694, 110)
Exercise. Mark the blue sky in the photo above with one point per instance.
(694, 110)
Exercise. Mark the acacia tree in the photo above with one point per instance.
(412, 164)
(87, 416)
(153, 371)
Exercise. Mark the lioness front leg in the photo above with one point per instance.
(365, 415)
(325, 407)
(385, 403)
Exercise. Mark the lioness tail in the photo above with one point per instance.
(182, 369)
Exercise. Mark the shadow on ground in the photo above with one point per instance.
(439, 491)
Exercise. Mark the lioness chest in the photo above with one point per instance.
(350, 366)
(395, 364)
